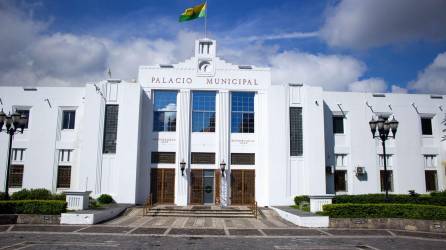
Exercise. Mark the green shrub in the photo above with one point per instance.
(36, 194)
(105, 199)
(408, 211)
(438, 200)
(60, 197)
(301, 198)
(32, 207)
(439, 193)
(2, 196)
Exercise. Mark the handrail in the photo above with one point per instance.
(254, 208)
(147, 205)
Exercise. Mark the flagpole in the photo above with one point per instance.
(205, 19)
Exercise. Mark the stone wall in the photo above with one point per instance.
(390, 223)
(29, 219)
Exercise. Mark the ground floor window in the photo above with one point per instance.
(431, 180)
(64, 177)
(243, 159)
(15, 176)
(202, 158)
(389, 180)
(163, 157)
(340, 180)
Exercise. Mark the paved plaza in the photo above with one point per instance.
(134, 231)
(120, 237)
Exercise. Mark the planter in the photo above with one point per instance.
(390, 223)
(29, 219)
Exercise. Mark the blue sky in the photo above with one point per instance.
(370, 45)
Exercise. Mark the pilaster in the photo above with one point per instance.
(223, 131)
(183, 145)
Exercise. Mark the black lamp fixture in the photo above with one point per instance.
(222, 168)
(14, 124)
(182, 167)
(384, 127)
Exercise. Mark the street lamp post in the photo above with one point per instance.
(14, 124)
(384, 127)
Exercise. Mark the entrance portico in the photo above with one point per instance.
(207, 113)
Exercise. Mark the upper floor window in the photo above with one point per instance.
(430, 161)
(110, 128)
(164, 110)
(242, 112)
(296, 134)
(203, 111)
(426, 126)
(338, 124)
(68, 119)
(26, 113)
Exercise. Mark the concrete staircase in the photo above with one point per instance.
(201, 211)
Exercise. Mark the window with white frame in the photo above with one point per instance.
(24, 112)
(68, 119)
(430, 161)
(389, 160)
(340, 160)
(65, 155)
(18, 154)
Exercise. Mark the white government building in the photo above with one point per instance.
(130, 139)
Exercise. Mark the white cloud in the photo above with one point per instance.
(370, 23)
(374, 85)
(398, 89)
(333, 72)
(38, 57)
(433, 78)
(291, 35)
(31, 55)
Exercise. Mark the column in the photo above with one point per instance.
(261, 121)
(223, 131)
(183, 142)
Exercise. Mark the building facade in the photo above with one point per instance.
(205, 131)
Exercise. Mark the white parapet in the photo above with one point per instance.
(77, 200)
(90, 217)
(318, 201)
(303, 220)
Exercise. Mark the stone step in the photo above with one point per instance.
(201, 215)
(200, 211)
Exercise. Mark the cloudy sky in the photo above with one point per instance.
(346, 45)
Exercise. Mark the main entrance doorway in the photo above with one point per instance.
(162, 185)
(204, 185)
(242, 187)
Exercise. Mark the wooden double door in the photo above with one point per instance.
(242, 187)
(205, 186)
(162, 185)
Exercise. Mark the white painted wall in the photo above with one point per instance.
(407, 149)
